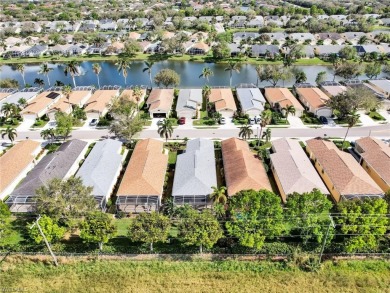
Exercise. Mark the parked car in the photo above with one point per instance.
(323, 120)
(222, 120)
(93, 122)
(251, 121)
(159, 122)
(182, 120)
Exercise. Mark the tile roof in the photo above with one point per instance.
(160, 99)
(242, 169)
(345, 173)
(129, 93)
(195, 172)
(42, 101)
(377, 154)
(75, 98)
(102, 166)
(294, 169)
(333, 90)
(282, 96)
(314, 96)
(54, 165)
(223, 99)
(145, 173)
(15, 160)
(100, 100)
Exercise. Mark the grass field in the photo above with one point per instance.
(196, 276)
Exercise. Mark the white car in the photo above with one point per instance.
(222, 120)
(252, 121)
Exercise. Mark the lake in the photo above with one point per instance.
(189, 72)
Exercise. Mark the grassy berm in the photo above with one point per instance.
(27, 275)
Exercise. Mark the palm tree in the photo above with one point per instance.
(206, 91)
(206, 73)
(289, 109)
(352, 120)
(20, 68)
(97, 69)
(218, 195)
(123, 64)
(8, 109)
(232, 66)
(148, 68)
(39, 82)
(72, 68)
(22, 102)
(137, 93)
(45, 70)
(165, 129)
(245, 132)
(10, 132)
(267, 135)
(66, 91)
(48, 134)
(266, 117)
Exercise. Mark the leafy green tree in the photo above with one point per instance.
(5, 219)
(165, 129)
(199, 228)
(300, 75)
(52, 231)
(132, 47)
(150, 228)
(352, 120)
(9, 83)
(348, 52)
(64, 124)
(363, 223)
(97, 228)
(255, 216)
(96, 68)
(348, 70)
(321, 77)
(245, 132)
(232, 67)
(148, 67)
(221, 51)
(271, 73)
(372, 70)
(266, 118)
(67, 199)
(123, 65)
(218, 195)
(45, 70)
(72, 68)
(167, 77)
(307, 213)
(22, 102)
(10, 132)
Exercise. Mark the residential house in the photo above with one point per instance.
(108, 25)
(27, 93)
(292, 169)
(88, 26)
(16, 163)
(223, 101)
(362, 50)
(329, 38)
(134, 35)
(251, 101)
(195, 174)
(332, 88)
(142, 184)
(237, 21)
(353, 37)
(280, 38)
(199, 48)
(303, 38)
(324, 51)
(313, 99)
(235, 49)
(244, 36)
(256, 22)
(39, 106)
(381, 85)
(208, 19)
(97, 105)
(189, 103)
(341, 173)
(375, 159)
(61, 165)
(280, 98)
(101, 169)
(241, 168)
(270, 51)
(6, 92)
(16, 51)
(78, 97)
(160, 102)
(129, 93)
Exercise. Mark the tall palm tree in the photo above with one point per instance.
(123, 65)
(72, 68)
(218, 195)
(232, 67)
(8, 110)
(48, 134)
(352, 120)
(45, 70)
(10, 132)
(22, 102)
(206, 91)
(137, 93)
(245, 132)
(20, 68)
(266, 117)
(66, 91)
(206, 73)
(97, 69)
(165, 129)
(39, 82)
(289, 109)
(148, 68)
(267, 135)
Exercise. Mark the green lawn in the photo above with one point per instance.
(39, 123)
(122, 225)
(107, 276)
(172, 157)
(376, 116)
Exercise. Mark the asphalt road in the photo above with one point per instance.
(380, 131)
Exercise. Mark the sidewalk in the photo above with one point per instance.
(366, 120)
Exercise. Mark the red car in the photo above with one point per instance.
(182, 120)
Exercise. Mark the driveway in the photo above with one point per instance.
(366, 120)
(25, 125)
(295, 122)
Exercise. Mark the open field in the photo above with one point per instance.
(197, 276)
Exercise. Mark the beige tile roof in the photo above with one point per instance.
(75, 98)
(161, 99)
(4, 95)
(242, 169)
(129, 93)
(293, 168)
(347, 176)
(314, 96)
(99, 100)
(282, 96)
(39, 103)
(145, 173)
(223, 99)
(201, 46)
(15, 160)
(333, 90)
(377, 154)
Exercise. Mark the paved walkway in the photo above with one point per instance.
(366, 120)
(295, 122)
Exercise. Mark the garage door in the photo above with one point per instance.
(326, 112)
(226, 114)
(159, 115)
